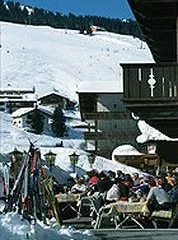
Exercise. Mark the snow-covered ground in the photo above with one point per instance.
(13, 227)
(50, 58)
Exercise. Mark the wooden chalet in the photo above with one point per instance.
(22, 118)
(54, 98)
(109, 123)
(154, 97)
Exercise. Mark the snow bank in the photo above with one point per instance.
(13, 227)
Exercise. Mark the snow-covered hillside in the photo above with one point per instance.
(50, 58)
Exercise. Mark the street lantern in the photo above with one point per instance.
(74, 160)
(50, 158)
(91, 159)
(16, 155)
(16, 158)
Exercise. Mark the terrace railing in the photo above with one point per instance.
(150, 81)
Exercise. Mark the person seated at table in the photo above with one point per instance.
(120, 174)
(93, 177)
(112, 175)
(173, 193)
(114, 193)
(136, 180)
(104, 183)
(118, 191)
(128, 183)
(157, 198)
(164, 183)
(79, 186)
(140, 190)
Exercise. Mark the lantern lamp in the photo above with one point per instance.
(50, 158)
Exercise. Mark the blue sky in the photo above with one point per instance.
(106, 8)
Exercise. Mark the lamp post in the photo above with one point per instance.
(50, 158)
(91, 159)
(16, 154)
(73, 160)
(16, 158)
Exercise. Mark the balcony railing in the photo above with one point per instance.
(107, 115)
(150, 81)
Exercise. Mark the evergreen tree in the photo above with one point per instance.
(58, 123)
(37, 121)
(14, 12)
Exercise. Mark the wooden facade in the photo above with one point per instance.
(109, 123)
(56, 99)
(154, 97)
(151, 90)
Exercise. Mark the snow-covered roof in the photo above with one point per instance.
(126, 150)
(150, 133)
(55, 92)
(100, 87)
(17, 89)
(72, 114)
(23, 111)
(6, 99)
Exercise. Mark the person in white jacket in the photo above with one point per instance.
(79, 186)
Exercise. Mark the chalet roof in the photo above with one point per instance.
(18, 100)
(55, 93)
(23, 111)
(157, 20)
(16, 90)
(100, 87)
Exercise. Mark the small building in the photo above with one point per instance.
(11, 105)
(22, 118)
(12, 92)
(54, 99)
(13, 99)
(129, 155)
(109, 123)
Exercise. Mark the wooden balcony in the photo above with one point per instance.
(151, 92)
(106, 115)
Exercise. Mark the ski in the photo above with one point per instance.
(48, 185)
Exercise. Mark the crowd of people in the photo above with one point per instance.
(159, 192)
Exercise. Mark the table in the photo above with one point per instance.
(68, 199)
(129, 211)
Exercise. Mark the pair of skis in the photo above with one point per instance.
(32, 191)
(48, 186)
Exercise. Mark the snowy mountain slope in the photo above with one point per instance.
(46, 58)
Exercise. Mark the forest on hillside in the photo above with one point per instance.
(11, 11)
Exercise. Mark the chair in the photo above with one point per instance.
(106, 212)
(97, 209)
(168, 216)
(92, 203)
